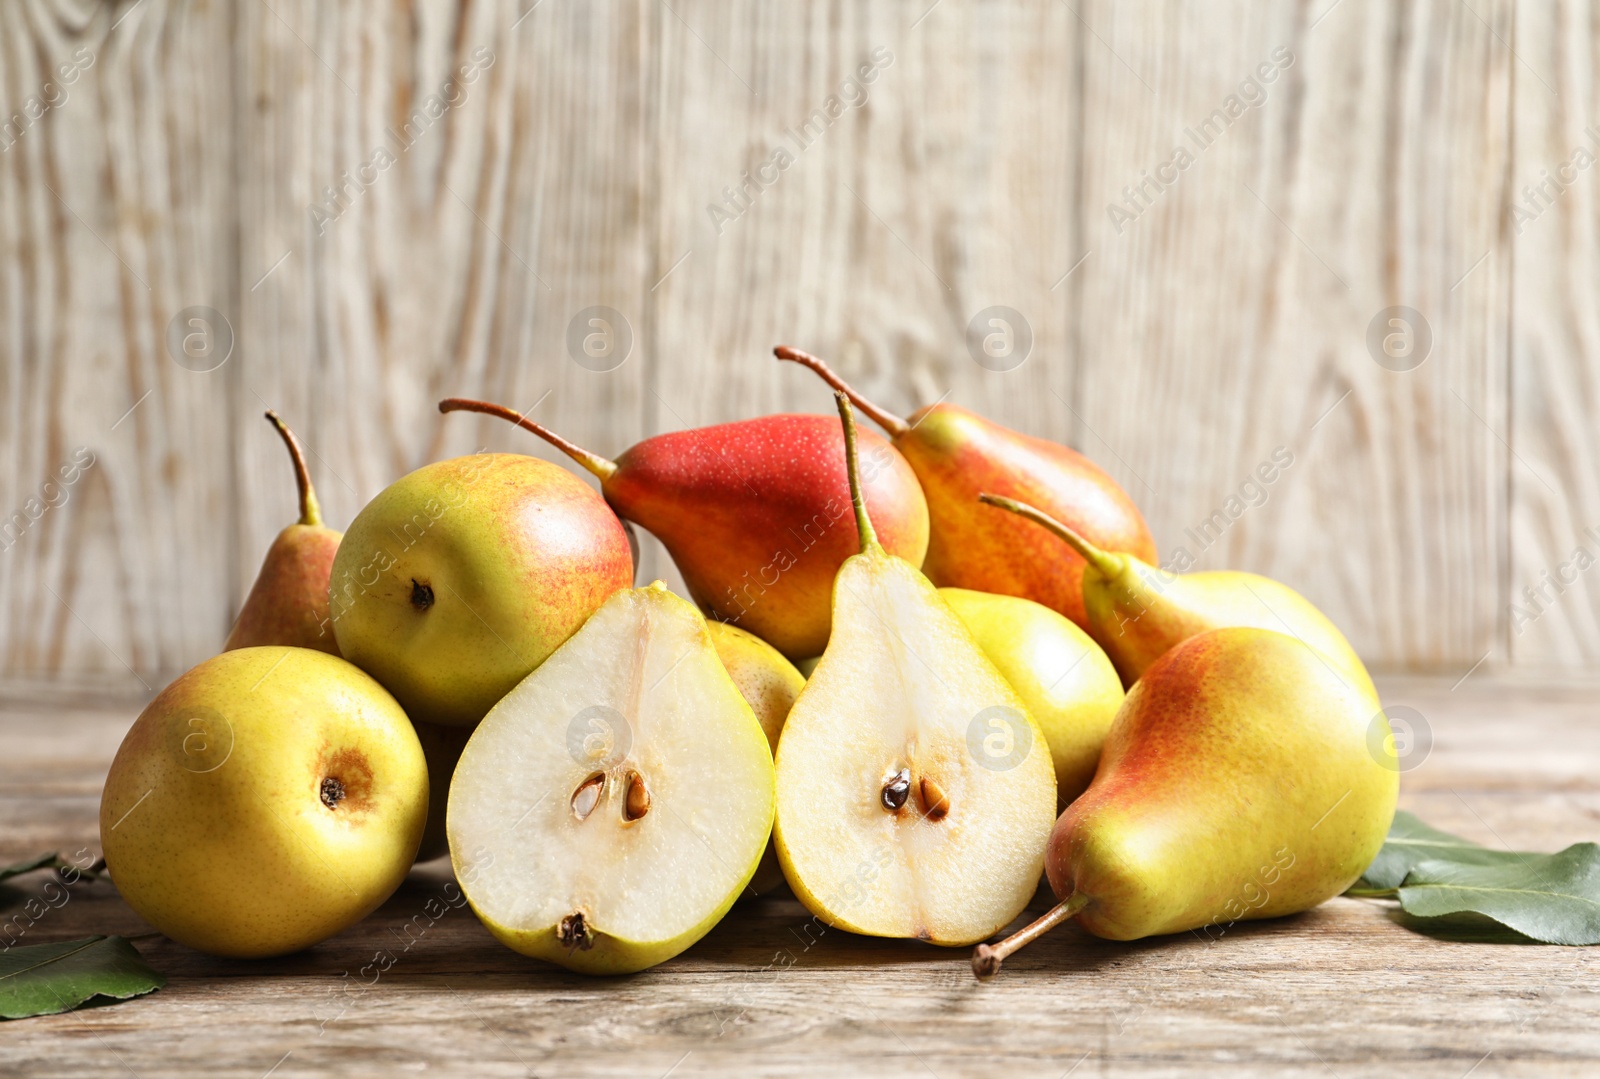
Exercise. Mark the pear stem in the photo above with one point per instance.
(1106, 564)
(887, 420)
(310, 508)
(869, 535)
(986, 959)
(600, 466)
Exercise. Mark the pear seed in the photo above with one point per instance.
(896, 790)
(935, 803)
(332, 792)
(421, 595)
(573, 934)
(587, 796)
(637, 803)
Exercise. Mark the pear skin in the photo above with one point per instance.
(1137, 611)
(264, 801)
(1066, 681)
(956, 454)
(755, 514)
(1241, 780)
(288, 604)
(769, 683)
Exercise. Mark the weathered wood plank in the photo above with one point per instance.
(1226, 311)
(1553, 608)
(1346, 988)
(117, 550)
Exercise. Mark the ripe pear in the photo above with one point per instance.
(955, 454)
(1137, 612)
(1241, 780)
(267, 799)
(607, 812)
(1066, 681)
(769, 684)
(755, 514)
(441, 746)
(288, 604)
(460, 578)
(915, 793)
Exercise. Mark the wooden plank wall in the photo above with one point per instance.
(563, 156)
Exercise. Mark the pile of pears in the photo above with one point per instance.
(913, 675)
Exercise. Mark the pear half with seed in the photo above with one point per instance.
(609, 810)
(915, 793)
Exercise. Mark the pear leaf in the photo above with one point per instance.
(1550, 897)
(16, 869)
(44, 979)
(1411, 842)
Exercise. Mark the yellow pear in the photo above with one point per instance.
(264, 801)
(769, 683)
(1070, 687)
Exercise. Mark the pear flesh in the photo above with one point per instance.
(610, 809)
(915, 793)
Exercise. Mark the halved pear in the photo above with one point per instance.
(915, 793)
(609, 810)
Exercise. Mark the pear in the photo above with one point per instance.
(1239, 781)
(1062, 676)
(915, 793)
(955, 454)
(769, 684)
(1137, 612)
(441, 745)
(266, 800)
(288, 604)
(607, 812)
(460, 578)
(755, 514)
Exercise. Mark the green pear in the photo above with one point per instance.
(1066, 681)
(266, 800)
(442, 744)
(288, 604)
(769, 684)
(610, 809)
(1242, 779)
(915, 793)
(1136, 611)
(459, 579)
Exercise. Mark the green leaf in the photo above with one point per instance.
(1550, 897)
(16, 869)
(43, 979)
(1411, 843)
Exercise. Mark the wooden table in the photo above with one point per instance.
(1344, 990)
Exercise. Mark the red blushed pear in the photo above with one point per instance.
(1242, 779)
(956, 454)
(756, 514)
(288, 605)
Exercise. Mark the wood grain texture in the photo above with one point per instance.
(576, 161)
(1348, 988)
(1553, 606)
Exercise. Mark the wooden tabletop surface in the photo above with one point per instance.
(1348, 989)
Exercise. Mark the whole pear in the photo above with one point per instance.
(458, 579)
(755, 514)
(1066, 681)
(1137, 611)
(1243, 778)
(956, 454)
(769, 684)
(288, 604)
(441, 745)
(267, 799)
